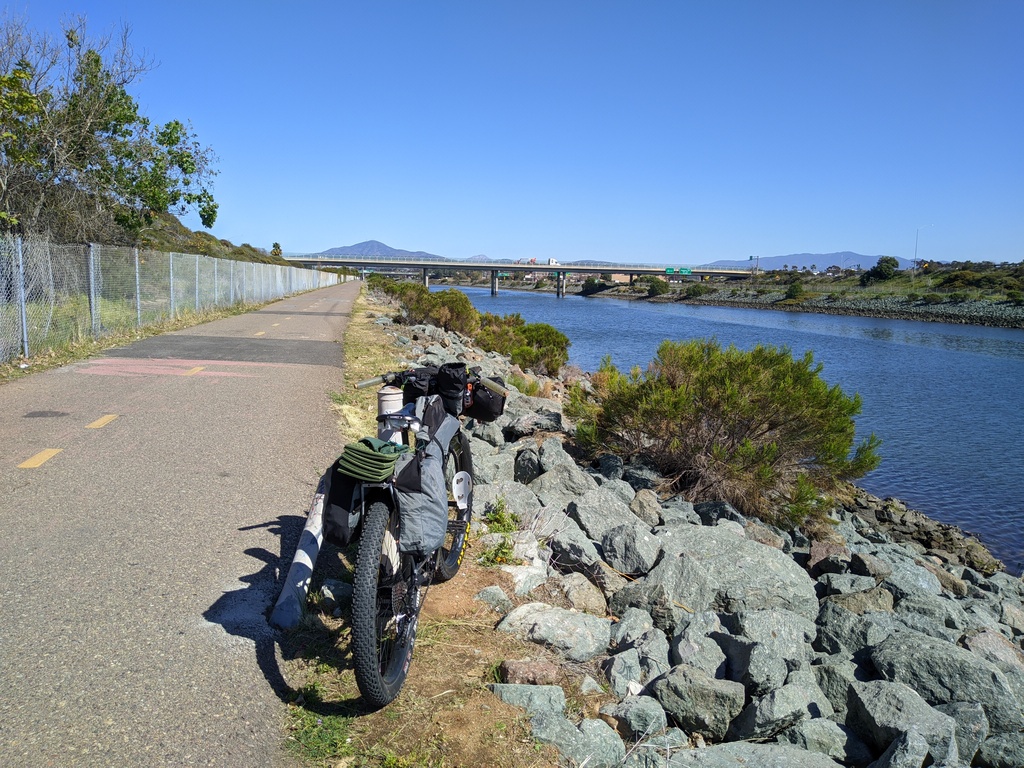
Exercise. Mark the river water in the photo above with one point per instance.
(944, 399)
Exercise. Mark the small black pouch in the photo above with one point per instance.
(451, 386)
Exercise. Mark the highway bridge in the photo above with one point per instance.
(428, 265)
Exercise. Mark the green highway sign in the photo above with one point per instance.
(669, 270)
(685, 271)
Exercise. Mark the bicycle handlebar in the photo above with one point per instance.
(391, 378)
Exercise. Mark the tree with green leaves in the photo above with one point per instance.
(884, 269)
(276, 250)
(78, 161)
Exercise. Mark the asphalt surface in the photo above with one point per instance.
(138, 563)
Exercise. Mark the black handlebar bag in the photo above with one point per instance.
(451, 386)
(487, 405)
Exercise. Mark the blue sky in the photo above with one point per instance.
(662, 132)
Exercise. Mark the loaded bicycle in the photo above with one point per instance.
(408, 496)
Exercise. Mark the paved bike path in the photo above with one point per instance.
(146, 499)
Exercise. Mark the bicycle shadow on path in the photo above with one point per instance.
(244, 613)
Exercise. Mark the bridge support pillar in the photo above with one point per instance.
(494, 282)
(559, 285)
(426, 278)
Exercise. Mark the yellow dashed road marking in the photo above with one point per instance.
(102, 421)
(261, 333)
(40, 458)
(193, 371)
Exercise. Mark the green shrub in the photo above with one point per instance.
(591, 286)
(933, 298)
(795, 291)
(656, 287)
(1017, 297)
(958, 297)
(756, 429)
(696, 290)
(499, 519)
(913, 298)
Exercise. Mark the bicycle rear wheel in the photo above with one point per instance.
(449, 556)
(386, 602)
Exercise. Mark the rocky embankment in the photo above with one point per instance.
(718, 641)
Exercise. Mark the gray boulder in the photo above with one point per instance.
(698, 703)
(636, 717)
(653, 649)
(908, 579)
(769, 715)
(631, 626)
(552, 453)
(564, 483)
(908, 750)
(527, 466)
(535, 699)
(582, 595)
(828, 737)
(592, 743)
(571, 548)
(518, 500)
(694, 644)
(1006, 655)
(760, 668)
(620, 488)
(943, 674)
(610, 466)
(744, 575)
(598, 511)
(880, 712)
(493, 469)
(645, 505)
(630, 548)
(1004, 750)
(841, 630)
(624, 673)
(576, 636)
(710, 512)
(971, 727)
(674, 587)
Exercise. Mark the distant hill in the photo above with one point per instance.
(377, 249)
(822, 261)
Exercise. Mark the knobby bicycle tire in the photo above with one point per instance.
(386, 603)
(449, 557)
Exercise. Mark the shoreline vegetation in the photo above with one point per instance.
(905, 296)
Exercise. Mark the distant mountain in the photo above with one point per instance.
(822, 261)
(377, 249)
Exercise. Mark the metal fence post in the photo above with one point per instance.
(22, 299)
(94, 309)
(197, 282)
(138, 290)
(174, 312)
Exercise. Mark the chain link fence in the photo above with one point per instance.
(52, 296)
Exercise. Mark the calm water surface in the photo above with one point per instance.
(944, 399)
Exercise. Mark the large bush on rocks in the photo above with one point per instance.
(759, 429)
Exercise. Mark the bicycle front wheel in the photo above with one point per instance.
(386, 603)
